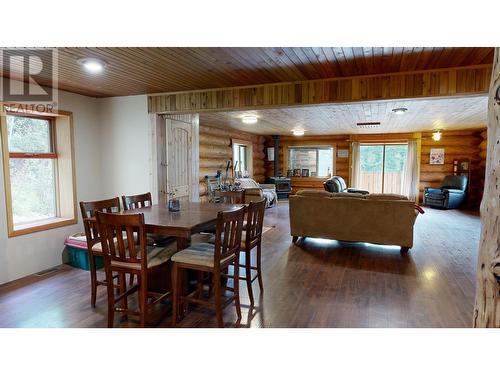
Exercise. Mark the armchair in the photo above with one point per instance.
(451, 194)
(336, 184)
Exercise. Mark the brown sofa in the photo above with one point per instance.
(384, 219)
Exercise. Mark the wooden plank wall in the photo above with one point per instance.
(216, 150)
(457, 145)
(428, 83)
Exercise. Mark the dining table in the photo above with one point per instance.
(193, 217)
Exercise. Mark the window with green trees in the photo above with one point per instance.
(32, 166)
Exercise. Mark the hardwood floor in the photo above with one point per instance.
(320, 284)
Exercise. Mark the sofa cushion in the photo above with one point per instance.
(386, 197)
(156, 256)
(348, 195)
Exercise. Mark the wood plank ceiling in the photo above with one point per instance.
(422, 115)
(132, 71)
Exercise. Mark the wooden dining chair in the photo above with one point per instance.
(131, 202)
(252, 239)
(123, 239)
(94, 247)
(212, 259)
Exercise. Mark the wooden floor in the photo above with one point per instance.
(323, 284)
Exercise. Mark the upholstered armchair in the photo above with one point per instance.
(451, 194)
(255, 191)
(336, 184)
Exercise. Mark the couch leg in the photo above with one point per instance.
(295, 238)
(405, 249)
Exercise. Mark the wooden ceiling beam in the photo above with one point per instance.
(459, 81)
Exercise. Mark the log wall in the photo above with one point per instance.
(216, 150)
(461, 144)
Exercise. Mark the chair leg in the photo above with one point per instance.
(122, 282)
(93, 280)
(143, 296)
(175, 294)
(236, 288)
(259, 267)
(131, 280)
(218, 299)
(111, 300)
(200, 283)
(248, 276)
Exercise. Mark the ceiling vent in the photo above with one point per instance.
(368, 125)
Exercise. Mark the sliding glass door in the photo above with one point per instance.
(382, 167)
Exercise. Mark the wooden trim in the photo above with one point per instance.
(6, 173)
(56, 223)
(462, 81)
(29, 155)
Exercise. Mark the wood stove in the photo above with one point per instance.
(283, 185)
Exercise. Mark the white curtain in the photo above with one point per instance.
(410, 177)
(355, 160)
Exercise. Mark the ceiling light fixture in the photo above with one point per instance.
(400, 110)
(249, 119)
(298, 132)
(436, 135)
(92, 64)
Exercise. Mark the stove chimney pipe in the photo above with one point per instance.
(276, 139)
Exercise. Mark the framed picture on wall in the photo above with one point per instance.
(437, 156)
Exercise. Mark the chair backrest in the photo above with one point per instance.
(341, 181)
(118, 240)
(455, 182)
(335, 184)
(131, 202)
(228, 235)
(255, 221)
(89, 209)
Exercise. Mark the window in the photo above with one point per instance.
(38, 177)
(242, 158)
(32, 164)
(382, 167)
(310, 161)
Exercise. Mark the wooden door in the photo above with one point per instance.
(179, 162)
(175, 149)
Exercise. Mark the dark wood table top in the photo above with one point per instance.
(191, 217)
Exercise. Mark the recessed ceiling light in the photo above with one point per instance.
(249, 119)
(298, 132)
(92, 64)
(400, 110)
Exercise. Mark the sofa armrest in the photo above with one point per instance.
(454, 191)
